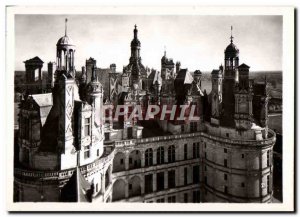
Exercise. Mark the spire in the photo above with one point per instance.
(231, 37)
(135, 31)
(66, 27)
(265, 79)
(266, 86)
(165, 52)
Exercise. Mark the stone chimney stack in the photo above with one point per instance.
(177, 67)
(113, 68)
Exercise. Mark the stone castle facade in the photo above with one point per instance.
(67, 151)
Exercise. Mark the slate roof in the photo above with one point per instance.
(184, 77)
(45, 103)
(34, 59)
(49, 132)
(231, 48)
(65, 40)
(77, 189)
(243, 66)
(216, 71)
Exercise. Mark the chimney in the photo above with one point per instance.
(51, 78)
(113, 68)
(221, 67)
(177, 67)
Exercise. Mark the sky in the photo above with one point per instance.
(198, 42)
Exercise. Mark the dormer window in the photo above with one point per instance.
(87, 151)
(87, 126)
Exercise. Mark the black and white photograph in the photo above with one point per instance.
(116, 110)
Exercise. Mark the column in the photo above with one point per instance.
(178, 176)
(230, 184)
(189, 174)
(110, 175)
(102, 184)
(166, 154)
(260, 174)
(154, 179)
(166, 180)
(142, 185)
(60, 59)
(142, 158)
(40, 73)
(247, 164)
(66, 60)
(250, 106)
(154, 156)
(126, 189)
(126, 160)
(73, 57)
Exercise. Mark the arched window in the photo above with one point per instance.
(135, 159)
(149, 157)
(118, 190)
(134, 186)
(119, 162)
(171, 154)
(160, 155)
(107, 177)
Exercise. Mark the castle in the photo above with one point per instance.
(68, 151)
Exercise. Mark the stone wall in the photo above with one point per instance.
(237, 173)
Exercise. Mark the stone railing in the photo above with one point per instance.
(269, 141)
(130, 142)
(122, 143)
(63, 174)
(169, 137)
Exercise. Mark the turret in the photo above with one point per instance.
(167, 67)
(63, 99)
(89, 65)
(216, 95)
(135, 46)
(243, 95)
(65, 54)
(231, 58)
(34, 75)
(83, 75)
(95, 99)
(197, 77)
(229, 82)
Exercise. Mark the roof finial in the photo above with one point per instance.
(66, 20)
(135, 31)
(165, 52)
(231, 37)
(265, 79)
